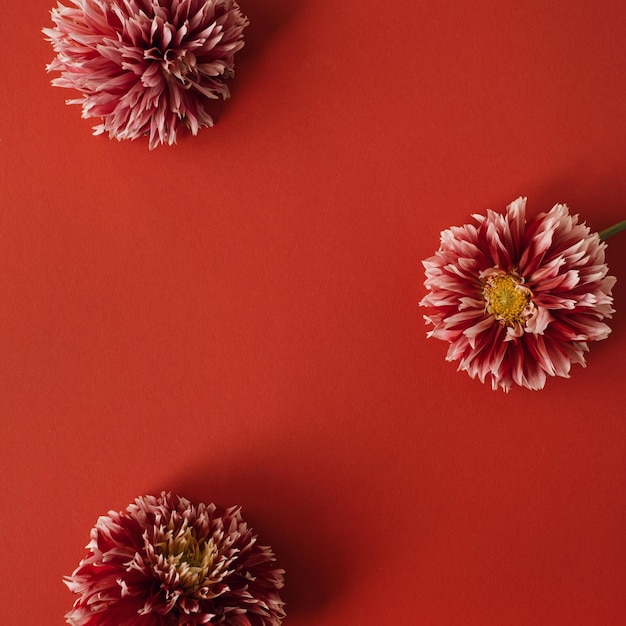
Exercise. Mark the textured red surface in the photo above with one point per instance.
(235, 318)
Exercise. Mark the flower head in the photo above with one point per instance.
(146, 67)
(518, 301)
(166, 562)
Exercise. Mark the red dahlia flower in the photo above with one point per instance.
(146, 67)
(166, 562)
(518, 301)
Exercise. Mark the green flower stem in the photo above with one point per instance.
(613, 230)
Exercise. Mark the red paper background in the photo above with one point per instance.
(235, 318)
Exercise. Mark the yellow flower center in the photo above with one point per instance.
(506, 298)
(192, 559)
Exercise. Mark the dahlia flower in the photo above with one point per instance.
(164, 562)
(146, 67)
(518, 300)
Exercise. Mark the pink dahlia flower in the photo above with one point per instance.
(516, 300)
(146, 67)
(166, 562)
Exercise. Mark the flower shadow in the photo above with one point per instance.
(267, 19)
(596, 196)
(291, 523)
